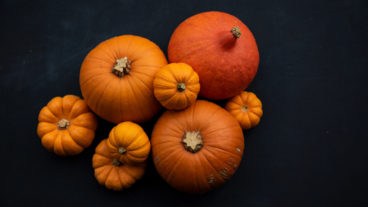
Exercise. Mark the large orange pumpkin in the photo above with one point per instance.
(220, 48)
(116, 78)
(197, 149)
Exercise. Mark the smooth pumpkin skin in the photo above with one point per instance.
(213, 164)
(127, 98)
(111, 176)
(176, 86)
(246, 108)
(226, 65)
(71, 138)
(130, 138)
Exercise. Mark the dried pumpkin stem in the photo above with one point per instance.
(116, 162)
(63, 124)
(244, 108)
(122, 67)
(122, 150)
(192, 141)
(236, 32)
(181, 87)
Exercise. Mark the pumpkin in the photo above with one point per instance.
(197, 149)
(176, 86)
(116, 78)
(66, 125)
(246, 108)
(110, 172)
(129, 143)
(220, 48)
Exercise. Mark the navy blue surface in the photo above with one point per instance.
(310, 148)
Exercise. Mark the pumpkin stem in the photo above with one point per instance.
(122, 67)
(63, 124)
(244, 108)
(181, 87)
(236, 32)
(122, 150)
(116, 162)
(192, 141)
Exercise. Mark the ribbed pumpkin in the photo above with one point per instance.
(116, 78)
(66, 125)
(129, 143)
(197, 149)
(111, 173)
(246, 108)
(176, 86)
(220, 48)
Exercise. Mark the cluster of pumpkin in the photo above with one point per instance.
(196, 144)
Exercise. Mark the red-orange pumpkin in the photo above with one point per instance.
(116, 78)
(220, 48)
(197, 149)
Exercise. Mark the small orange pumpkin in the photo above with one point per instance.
(129, 143)
(110, 172)
(116, 78)
(66, 125)
(197, 149)
(176, 86)
(246, 108)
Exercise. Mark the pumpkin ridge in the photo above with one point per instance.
(89, 93)
(61, 143)
(130, 88)
(87, 127)
(108, 172)
(95, 76)
(144, 83)
(224, 162)
(138, 138)
(200, 172)
(211, 165)
(48, 131)
(72, 138)
(169, 176)
(98, 102)
(221, 149)
(57, 117)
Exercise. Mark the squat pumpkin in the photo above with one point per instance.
(116, 78)
(112, 173)
(197, 149)
(66, 125)
(246, 108)
(129, 143)
(176, 86)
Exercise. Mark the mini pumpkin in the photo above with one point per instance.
(116, 78)
(176, 86)
(246, 108)
(129, 143)
(197, 149)
(66, 125)
(112, 173)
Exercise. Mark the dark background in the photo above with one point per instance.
(310, 148)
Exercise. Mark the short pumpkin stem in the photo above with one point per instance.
(236, 32)
(181, 87)
(192, 141)
(116, 162)
(63, 124)
(122, 150)
(122, 67)
(244, 108)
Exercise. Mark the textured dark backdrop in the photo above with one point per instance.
(310, 148)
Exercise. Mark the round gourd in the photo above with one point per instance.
(116, 78)
(129, 143)
(66, 125)
(197, 149)
(111, 173)
(246, 108)
(220, 48)
(176, 86)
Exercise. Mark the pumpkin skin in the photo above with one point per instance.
(220, 48)
(197, 149)
(176, 86)
(66, 125)
(129, 143)
(116, 78)
(111, 173)
(246, 108)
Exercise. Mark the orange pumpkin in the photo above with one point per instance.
(246, 108)
(220, 48)
(110, 172)
(116, 78)
(176, 86)
(197, 149)
(129, 143)
(66, 125)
